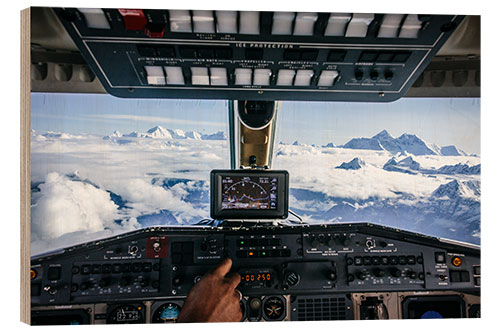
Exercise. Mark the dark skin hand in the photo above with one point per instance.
(214, 298)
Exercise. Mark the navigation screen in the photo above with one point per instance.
(249, 192)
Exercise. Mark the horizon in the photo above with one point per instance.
(444, 122)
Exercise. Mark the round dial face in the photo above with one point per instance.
(167, 313)
(274, 308)
(125, 314)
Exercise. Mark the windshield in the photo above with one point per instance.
(413, 164)
(101, 165)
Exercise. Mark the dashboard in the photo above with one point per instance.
(288, 272)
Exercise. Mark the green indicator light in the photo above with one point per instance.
(242, 242)
(263, 253)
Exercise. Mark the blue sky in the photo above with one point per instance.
(443, 121)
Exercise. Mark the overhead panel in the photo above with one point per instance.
(252, 55)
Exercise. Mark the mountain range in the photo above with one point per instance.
(159, 132)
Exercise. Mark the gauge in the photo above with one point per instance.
(274, 308)
(125, 314)
(166, 313)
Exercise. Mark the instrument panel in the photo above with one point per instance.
(251, 55)
(323, 272)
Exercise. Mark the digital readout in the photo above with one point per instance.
(260, 277)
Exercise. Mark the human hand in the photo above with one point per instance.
(214, 298)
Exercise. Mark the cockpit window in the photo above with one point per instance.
(101, 165)
(413, 164)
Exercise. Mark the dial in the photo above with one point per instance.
(166, 313)
(274, 308)
(125, 314)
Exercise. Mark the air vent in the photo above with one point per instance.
(323, 308)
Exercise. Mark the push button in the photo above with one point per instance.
(440, 257)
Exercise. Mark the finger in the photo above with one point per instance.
(234, 279)
(223, 267)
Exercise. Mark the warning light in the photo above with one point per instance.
(32, 274)
(456, 261)
(250, 253)
(139, 308)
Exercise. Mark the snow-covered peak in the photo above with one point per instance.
(159, 132)
(216, 136)
(329, 145)
(451, 151)
(455, 189)
(355, 164)
(383, 135)
(193, 135)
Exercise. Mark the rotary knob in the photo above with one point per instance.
(292, 278)
(315, 243)
(395, 272)
(124, 281)
(362, 275)
(378, 272)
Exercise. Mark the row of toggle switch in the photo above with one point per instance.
(218, 76)
(249, 23)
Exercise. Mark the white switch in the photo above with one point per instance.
(249, 23)
(327, 78)
(358, 27)
(411, 27)
(199, 76)
(218, 76)
(174, 75)
(180, 21)
(304, 24)
(95, 18)
(261, 77)
(282, 23)
(285, 77)
(390, 26)
(337, 24)
(155, 75)
(227, 22)
(203, 21)
(303, 77)
(243, 76)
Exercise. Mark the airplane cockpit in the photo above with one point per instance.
(320, 227)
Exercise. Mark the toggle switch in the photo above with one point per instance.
(337, 24)
(227, 22)
(134, 19)
(285, 77)
(304, 24)
(174, 75)
(95, 18)
(199, 76)
(411, 26)
(218, 76)
(358, 26)
(155, 75)
(390, 26)
(326, 79)
(282, 23)
(203, 21)
(249, 23)
(261, 77)
(180, 21)
(243, 76)
(303, 77)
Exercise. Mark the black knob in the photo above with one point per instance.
(124, 281)
(411, 274)
(395, 272)
(378, 272)
(347, 241)
(332, 275)
(358, 75)
(315, 243)
(104, 282)
(389, 75)
(421, 276)
(374, 75)
(292, 278)
(84, 286)
(331, 242)
(361, 275)
(350, 277)
(255, 304)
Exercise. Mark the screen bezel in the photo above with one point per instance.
(216, 211)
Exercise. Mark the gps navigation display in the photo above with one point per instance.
(249, 192)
